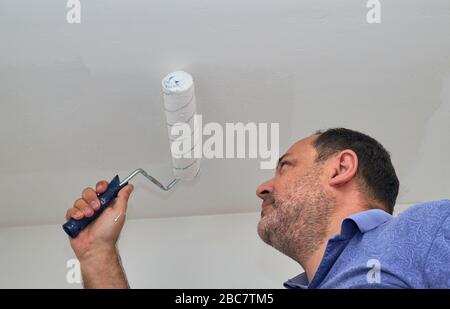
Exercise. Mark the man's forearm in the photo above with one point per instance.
(103, 270)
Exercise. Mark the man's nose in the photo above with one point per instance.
(265, 189)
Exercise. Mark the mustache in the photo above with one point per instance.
(271, 199)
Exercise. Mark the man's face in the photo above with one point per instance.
(296, 203)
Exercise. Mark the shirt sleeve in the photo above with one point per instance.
(437, 270)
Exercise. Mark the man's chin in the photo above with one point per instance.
(263, 232)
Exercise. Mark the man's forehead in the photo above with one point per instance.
(303, 147)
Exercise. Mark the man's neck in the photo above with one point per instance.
(312, 262)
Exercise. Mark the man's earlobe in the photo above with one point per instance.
(346, 166)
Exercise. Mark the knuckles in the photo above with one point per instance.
(87, 191)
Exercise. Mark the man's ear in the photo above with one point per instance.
(345, 167)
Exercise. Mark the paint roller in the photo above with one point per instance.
(180, 108)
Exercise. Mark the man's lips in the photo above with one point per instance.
(265, 205)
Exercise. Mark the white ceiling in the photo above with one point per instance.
(83, 102)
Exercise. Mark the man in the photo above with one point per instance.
(329, 207)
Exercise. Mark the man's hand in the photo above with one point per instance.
(95, 246)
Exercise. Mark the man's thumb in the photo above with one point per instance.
(123, 196)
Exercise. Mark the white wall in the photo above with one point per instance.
(222, 251)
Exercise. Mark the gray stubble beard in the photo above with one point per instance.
(298, 224)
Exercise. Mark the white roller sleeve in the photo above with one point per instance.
(180, 107)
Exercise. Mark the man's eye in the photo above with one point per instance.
(283, 164)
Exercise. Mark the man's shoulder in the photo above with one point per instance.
(409, 243)
(420, 223)
(416, 227)
(429, 227)
(431, 211)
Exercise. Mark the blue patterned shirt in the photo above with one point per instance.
(377, 250)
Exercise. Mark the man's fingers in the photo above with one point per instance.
(125, 192)
(101, 186)
(90, 196)
(89, 203)
(74, 213)
(123, 196)
(84, 207)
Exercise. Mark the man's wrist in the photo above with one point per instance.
(98, 254)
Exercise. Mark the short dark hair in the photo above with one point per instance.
(375, 168)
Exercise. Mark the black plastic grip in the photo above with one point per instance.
(73, 227)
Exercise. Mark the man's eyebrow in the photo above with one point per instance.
(281, 159)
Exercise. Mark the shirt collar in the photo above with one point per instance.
(298, 282)
(363, 222)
